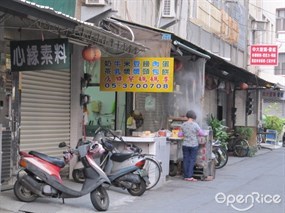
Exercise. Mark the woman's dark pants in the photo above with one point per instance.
(189, 160)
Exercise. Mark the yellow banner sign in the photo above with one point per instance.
(136, 74)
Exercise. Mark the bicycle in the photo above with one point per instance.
(260, 138)
(152, 165)
(238, 145)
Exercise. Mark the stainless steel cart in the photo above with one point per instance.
(205, 164)
(176, 156)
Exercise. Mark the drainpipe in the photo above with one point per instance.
(191, 50)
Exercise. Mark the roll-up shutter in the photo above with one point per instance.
(45, 111)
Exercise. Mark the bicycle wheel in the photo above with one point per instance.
(153, 168)
(241, 148)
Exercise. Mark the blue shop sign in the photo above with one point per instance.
(51, 54)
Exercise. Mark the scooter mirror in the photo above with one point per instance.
(62, 144)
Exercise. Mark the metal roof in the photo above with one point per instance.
(215, 65)
(46, 18)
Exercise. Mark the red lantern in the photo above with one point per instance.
(243, 86)
(91, 54)
(97, 54)
(178, 65)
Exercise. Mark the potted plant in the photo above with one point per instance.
(219, 130)
(273, 122)
(244, 132)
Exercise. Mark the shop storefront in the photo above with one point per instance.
(188, 78)
(41, 72)
(203, 81)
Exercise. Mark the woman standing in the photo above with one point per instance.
(190, 145)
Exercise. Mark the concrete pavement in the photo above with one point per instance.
(118, 198)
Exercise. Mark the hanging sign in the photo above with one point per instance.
(261, 55)
(136, 74)
(51, 54)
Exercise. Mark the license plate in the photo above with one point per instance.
(143, 173)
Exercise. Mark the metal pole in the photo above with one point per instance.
(0, 155)
(245, 109)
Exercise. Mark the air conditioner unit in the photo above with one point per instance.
(95, 2)
(168, 8)
(258, 25)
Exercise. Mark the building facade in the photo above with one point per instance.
(223, 28)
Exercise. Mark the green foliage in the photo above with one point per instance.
(273, 122)
(270, 109)
(244, 132)
(219, 129)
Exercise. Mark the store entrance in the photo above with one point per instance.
(101, 109)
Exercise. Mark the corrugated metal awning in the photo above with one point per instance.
(215, 65)
(47, 18)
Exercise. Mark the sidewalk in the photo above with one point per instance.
(9, 203)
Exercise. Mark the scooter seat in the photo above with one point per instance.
(53, 160)
(120, 157)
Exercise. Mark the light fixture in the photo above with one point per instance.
(225, 72)
(77, 42)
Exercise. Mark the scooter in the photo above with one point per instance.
(221, 155)
(40, 176)
(124, 170)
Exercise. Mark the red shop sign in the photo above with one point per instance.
(264, 55)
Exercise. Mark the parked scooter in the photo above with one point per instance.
(221, 155)
(40, 177)
(125, 170)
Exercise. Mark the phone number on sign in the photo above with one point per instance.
(137, 86)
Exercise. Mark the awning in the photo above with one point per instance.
(279, 81)
(215, 65)
(47, 19)
(225, 70)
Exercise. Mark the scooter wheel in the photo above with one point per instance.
(23, 194)
(138, 189)
(78, 175)
(100, 199)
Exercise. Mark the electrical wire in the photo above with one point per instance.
(274, 14)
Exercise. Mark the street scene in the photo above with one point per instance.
(142, 106)
(259, 180)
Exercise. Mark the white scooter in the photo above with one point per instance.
(124, 170)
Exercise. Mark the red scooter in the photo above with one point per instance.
(40, 176)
